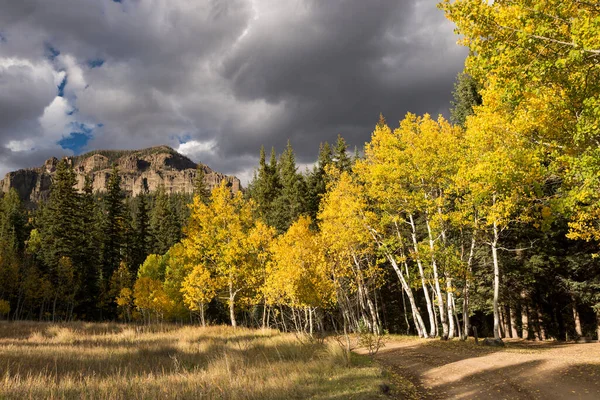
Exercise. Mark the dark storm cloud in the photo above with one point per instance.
(224, 75)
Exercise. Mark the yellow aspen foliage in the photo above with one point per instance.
(344, 223)
(150, 298)
(259, 242)
(539, 65)
(198, 288)
(500, 175)
(298, 275)
(538, 61)
(349, 246)
(411, 168)
(177, 267)
(217, 238)
(121, 290)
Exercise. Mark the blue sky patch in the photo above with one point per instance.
(61, 87)
(51, 52)
(96, 63)
(182, 139)
(77, 139)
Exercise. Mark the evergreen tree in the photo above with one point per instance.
(142, 245)
(12, 229)
(340, 155)
(164, 222)
(291, 202)
(317, 181)
(265, 187)
(466, 96)
(60, 241)
(114, 227)
(60, 233)
(200, 187)
(87, 259)
(13, 217)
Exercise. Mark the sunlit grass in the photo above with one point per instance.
(81, 360)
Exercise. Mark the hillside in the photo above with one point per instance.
(156, 166)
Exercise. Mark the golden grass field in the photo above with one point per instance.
(116, 361)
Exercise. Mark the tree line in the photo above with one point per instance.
(57, 261)
(489, 219)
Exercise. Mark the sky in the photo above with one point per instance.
(215, 79)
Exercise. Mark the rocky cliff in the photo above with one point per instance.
(157, 166)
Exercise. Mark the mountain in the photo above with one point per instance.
(159, 165)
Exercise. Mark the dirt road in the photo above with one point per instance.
(521, 370)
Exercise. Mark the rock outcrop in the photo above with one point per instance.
(156, 166)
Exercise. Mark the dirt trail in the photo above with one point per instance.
(521, 370)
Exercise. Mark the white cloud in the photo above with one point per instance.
(21, 145)
(55, 120)
(196, 148)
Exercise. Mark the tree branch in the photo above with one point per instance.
(548, 39)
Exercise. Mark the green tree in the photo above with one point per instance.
(12, 229)
(266, 187)
(87, 258)
(316, 182)
(466, 96)
(60, 233)
(143, 237)
(164, 221)
(200, 187)
(341, 160)
(114, 227)
(291, 202)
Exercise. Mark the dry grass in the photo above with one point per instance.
(113, 361)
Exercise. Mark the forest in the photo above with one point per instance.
(489, 219)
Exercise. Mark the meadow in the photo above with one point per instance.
(118, 361)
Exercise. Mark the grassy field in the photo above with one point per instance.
(113, 361)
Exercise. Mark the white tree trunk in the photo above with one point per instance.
(450, 303)
(436, 282)
(496, 282)
(201, 307)
(466, 317)
(459, 331)
(419, 324)
(432, 323)
(232, 304)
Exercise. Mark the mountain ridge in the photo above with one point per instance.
(158, 165)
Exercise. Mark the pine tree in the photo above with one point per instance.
(142, 245)
(200, 187)
(12, 229)
(164, 221)
(60, 241)
(466, 96)
(114, 228)
(265, 188)
(60, 234)
(317, 180)
(340, 155)
(87, 260)
(291, 202)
